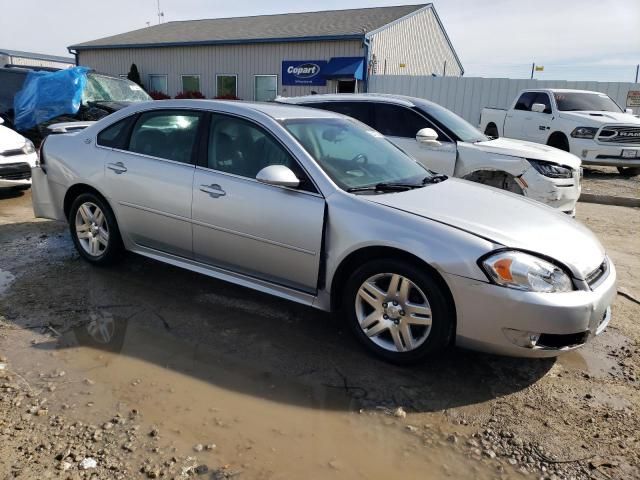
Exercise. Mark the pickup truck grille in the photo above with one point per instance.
(619, 135)
(15, 171)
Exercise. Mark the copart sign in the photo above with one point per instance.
(303, 72)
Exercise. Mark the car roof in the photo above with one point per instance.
(276, 111)
(403, 100)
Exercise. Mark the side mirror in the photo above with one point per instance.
(428, 137)
(278, 175)
(628, 110)
(1, 120)
(538, 107)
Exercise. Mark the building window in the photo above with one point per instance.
(190, 83)
(158, 83)
(226, 86)
(266, 88)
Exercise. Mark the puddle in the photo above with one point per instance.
(595, 358)
(265, 426)
(6, 279)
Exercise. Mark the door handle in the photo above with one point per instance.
(214, 190)
(118, 168)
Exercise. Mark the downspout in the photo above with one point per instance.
(367, 44)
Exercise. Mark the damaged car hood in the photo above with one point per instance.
(503, 218)
(524, 149)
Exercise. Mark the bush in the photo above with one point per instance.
(196, 95)
(134, 75)
(227, 97)
(159, 95)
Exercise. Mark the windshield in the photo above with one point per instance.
(101, 88)
(459, 126)
(581, 101)
(354, 155)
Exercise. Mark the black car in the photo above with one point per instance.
(103, 94)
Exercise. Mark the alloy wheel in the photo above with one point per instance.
(92, 229)
(393, 312)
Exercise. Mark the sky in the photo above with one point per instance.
(572, 39)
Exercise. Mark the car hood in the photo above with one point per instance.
(523, 149)
(503, 218)
(596, 119)
(10, 140)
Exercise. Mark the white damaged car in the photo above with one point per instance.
(447, 144)
(17, 156)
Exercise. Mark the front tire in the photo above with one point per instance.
(94, 230)
(398, 311)
(629, 171)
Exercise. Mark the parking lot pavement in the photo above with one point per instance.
(192, 361)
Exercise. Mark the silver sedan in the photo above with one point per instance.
(320, 209)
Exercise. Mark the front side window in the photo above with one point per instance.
(243, 148)
(158, 83)
(585, 102)
(166, 134)
(226, 86)
(453, 123)
(543, 98)
(397, 121)
(266, 88)
(525, 101)
(190, 83)
(353, 155)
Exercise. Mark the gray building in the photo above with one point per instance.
(30, 59)
(260, 57)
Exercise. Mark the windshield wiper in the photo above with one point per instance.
(385, 187)
(434, 179)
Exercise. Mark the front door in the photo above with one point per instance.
(268, 232)
(149, 179)
(401, 124)
(538, 127)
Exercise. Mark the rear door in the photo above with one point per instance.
(239, 224)
(401, 124)
(149, 176)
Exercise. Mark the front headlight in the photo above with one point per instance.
(523, 271)
(551, 170)
(584, 132)
(28, 148)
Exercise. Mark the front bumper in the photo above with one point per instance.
(15, 171)
(488, 314)
(594, 153)
(559, 193)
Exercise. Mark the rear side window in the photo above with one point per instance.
(361, 111)
(525, 101)
(397, 121)
(168, 134)
(115, 136)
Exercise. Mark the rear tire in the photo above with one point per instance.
(94, 230)
(629, 171)
(398, 311)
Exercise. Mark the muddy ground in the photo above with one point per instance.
(147, 371)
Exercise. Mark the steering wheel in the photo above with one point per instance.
(359, 157)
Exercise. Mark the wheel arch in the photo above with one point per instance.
(560, 136)
(485, 176)
(365, 254)
(75, 191)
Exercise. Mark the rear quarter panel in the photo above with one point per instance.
(493, 115)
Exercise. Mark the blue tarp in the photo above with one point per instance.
(344, 67)
(46, 95)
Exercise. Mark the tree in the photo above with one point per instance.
(134, 75)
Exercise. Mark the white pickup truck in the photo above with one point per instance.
(588, 124)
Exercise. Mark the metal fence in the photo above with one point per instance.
(467, 96)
